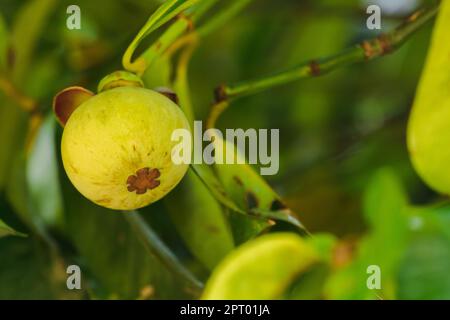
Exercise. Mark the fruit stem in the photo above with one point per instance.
(365, 51)
(157, 248)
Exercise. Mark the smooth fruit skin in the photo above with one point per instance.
(429, 123)
(116, 147)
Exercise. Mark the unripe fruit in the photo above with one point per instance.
(429, 124)
(116, 147)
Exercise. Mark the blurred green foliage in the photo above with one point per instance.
(344, 166)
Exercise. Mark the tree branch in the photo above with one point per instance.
(365, 51)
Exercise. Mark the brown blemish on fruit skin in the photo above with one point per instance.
(144, 179)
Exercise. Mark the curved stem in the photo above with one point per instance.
(156, 247)
(365, 51)
(167, 11)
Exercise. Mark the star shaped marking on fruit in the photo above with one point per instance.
(144, 179)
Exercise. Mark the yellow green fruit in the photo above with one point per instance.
(429, 124)
(262, 268)
(116, 147)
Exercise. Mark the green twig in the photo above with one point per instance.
(157, 248)
(365, 51)
(167, 11)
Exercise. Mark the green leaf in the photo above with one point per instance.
(385, 205)
(443, 219)
(200, 220)
(165, 12)
(6, 230)
(262, 268)
(42, 175)
(433, 219)
(113, 253)
(324, 244)
(156, 247)
(249, 191)
(28, 271)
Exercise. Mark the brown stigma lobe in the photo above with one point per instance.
(144, 179)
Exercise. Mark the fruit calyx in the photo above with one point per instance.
(119, 79)
(144, 179)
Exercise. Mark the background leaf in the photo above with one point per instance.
(113, 254)
(200, 220)
(13, 126)
(4, 38)
(250, 192)
(6, 230)
(42, 175)
(23, 38)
